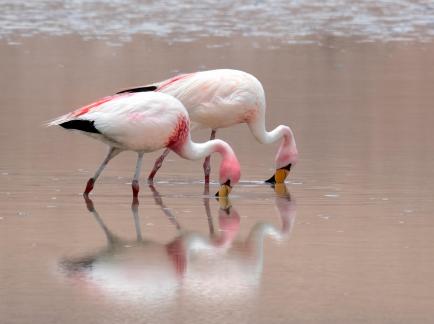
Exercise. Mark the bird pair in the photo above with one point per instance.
(161, 115)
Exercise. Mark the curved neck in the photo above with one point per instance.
(229, 165)
(287, 152)
(195, 151)
(265, 137)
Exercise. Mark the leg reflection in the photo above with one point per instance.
(215, 265)
(111, 238)
(159, 201)
(135, 210)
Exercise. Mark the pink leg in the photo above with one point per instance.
(206, 163)
(89, 186)
(157, 165)
(135, 187)
(90, 183)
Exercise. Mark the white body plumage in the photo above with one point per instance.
(146, 122)
(222, 98)
(218, 98)
(133, 121)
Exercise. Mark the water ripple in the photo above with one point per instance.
(287, 21)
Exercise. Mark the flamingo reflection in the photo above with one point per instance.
(217, 264)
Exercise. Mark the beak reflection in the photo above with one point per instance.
(190, 263)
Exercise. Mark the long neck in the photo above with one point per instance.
(195, 151)
(229, 165)
(287, 152)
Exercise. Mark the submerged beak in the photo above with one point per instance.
(280, 175)
(225, 204)
(224, 190)
(281, 190)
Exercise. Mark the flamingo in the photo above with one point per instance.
(191, 262)
(146, 122)
(222, 98)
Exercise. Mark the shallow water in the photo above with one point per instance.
(288, 22)
(350, 239)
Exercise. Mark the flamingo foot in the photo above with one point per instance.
(89, 186)
(135, 187)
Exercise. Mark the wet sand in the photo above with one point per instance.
(351, 241)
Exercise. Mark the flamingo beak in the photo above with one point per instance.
(280, 175)
(280, 189)
(224, 190)
(225, 204)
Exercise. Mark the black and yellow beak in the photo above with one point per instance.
(280, 175)
(224, 190)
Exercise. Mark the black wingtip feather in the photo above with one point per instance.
(82, 125)
(139, 89)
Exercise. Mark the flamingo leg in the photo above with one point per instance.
(207, 162)
(110, 155)
(157, 165)
(135, 182)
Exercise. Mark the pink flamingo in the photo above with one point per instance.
(146, 122)
(222, 98)
(217, 265)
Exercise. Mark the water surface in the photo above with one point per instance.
(350, 239)
(287, 22)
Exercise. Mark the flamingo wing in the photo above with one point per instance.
(77, 119)
(83, 125)
(139, 89)
(156, 86)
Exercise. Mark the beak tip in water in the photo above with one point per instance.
(271, 180)
(224, 191)
(280, 175)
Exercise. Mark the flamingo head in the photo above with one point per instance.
(229, 175)
(280, 175)
(286, 158)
